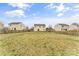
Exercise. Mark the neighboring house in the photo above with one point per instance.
(1, 27)
(61, 27)
(17, 26)
(74, 26)
(39, 27)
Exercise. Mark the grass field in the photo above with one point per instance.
(38, 44)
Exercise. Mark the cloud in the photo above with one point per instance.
(75, 16)
(76, 9)
(14, 13)
(34, 14)
(49, 6)
(20, 5)
(60, 14)
(77, 6)
(59, 8)
(20, 9)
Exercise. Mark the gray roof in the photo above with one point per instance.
(63, 24)
(76, 24)
(15, 23)
(39, 25)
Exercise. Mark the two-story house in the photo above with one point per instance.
(74, 26)
(19, 26)
(39, 27)
(61, 27)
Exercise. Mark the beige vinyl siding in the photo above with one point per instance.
(61, 27)
(17, 27)
(73, 27)
(40, 27)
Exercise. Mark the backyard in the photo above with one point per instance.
(39, 44)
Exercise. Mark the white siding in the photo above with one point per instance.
(60, 28)
(57, 27)
(40, 28)
(73, 27)
(17, 26)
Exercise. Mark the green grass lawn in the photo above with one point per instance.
(38, 44)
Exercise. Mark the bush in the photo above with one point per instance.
(1, 31)
(75, 33)
(49, 29)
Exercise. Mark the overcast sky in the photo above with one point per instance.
(34, 13)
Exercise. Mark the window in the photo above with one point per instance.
(43, 26)
(39, 26)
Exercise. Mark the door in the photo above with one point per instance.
(14, 28)
(38, 29)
